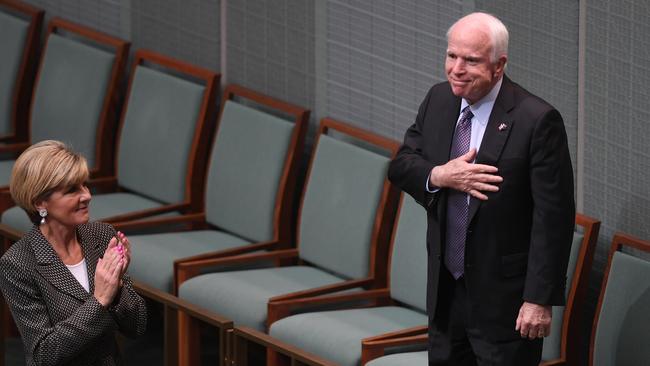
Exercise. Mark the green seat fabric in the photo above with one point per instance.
(157, 133)
(70, 93)
(408, 265)
(5, 171)
(243, 295)
(553, 341)
(17, 219)
(101, 206)
(337, 335)
(246, 165)
(154, 255)
(402, 359)
(13, 34)
(340, 203)
(623, 328)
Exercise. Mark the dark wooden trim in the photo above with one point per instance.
(619, 241)
(374, 347)
(571, 325)
(26, 71)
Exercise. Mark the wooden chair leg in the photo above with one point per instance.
(240, 351)
(170, 336)
(274, 358)
(189, 340)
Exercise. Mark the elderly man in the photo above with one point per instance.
(489, 161)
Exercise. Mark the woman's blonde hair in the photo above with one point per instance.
(42, 169)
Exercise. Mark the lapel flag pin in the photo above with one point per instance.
(503, 126)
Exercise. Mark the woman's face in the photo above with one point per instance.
(68, 206)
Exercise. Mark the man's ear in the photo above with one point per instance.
(500, 65)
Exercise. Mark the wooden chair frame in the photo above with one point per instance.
(571, 324)
(619, 242)
(282, 217)
(25, 80)
(376, 278)
(195, 174)
(374, 347)
(108, 118)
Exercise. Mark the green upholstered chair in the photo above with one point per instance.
(344, 215)
(20, 29)
(562, 346)
(621, 326)
(75, 95)
(249, 193)
(337, 335)
(161, 147)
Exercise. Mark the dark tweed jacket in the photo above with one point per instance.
(59, 321)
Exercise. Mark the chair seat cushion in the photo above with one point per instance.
(400, 359)
(336, 335)
(5, 172)
(243, 295)
(154, 254)
(102, 206)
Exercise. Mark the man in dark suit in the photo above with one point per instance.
(490, 163)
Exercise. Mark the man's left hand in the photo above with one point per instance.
(534, 321)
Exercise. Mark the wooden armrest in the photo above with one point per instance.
(162, 223)
(323, 290)
(240, 259)
(374, 347)
(244, 249)
(278, 309)
(131, 216)
(184, 270)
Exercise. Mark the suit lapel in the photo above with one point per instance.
(496, 134)
(445, 135)
(50, 266)
(92, 252)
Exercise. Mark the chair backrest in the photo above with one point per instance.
(345, 200)
(408, 260)
(253, 165)
(76, 91)
(563, 342)
(621, 327)
(20, 28)
(165, 129)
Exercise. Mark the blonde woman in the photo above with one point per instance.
(65, 281)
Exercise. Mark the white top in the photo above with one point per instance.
(80, 272)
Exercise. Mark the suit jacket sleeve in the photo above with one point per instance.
(49, 344)
(409, 170)
(551, 177)
(129, 310)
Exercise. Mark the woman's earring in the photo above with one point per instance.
(43, 213)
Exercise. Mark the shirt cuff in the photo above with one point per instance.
(428, 187)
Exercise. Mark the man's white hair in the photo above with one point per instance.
(497, 31)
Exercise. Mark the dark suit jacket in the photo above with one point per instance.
(518, 241)
(59, 321)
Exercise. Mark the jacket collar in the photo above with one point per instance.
(50, 266)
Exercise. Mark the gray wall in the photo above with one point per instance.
(370, 63)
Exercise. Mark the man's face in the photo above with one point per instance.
(469, 70)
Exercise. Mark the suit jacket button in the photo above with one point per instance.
(438, 256)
